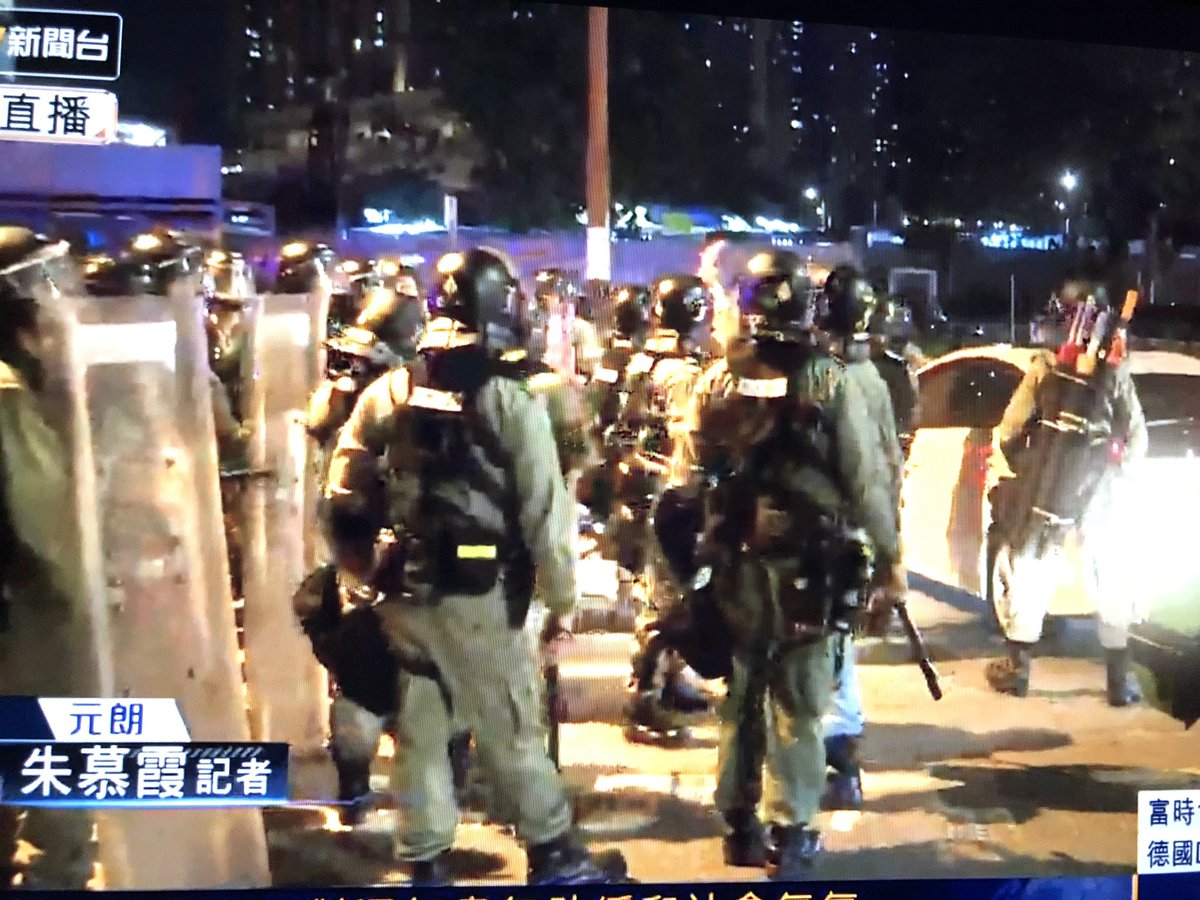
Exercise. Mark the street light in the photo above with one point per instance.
(1069, 182)
(811, 194)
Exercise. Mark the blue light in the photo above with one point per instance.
(883, 237)
(424, 226)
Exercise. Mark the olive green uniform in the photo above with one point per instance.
(46, 606)
(1116, 602)
(661, 380)
(355, 731)
(794, 681)
(470, 664)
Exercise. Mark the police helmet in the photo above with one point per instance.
(479, 290)
(891, 321)
(776, 294)
(552, 283)
(848, 303)
(147, 265)
(395, 319)
(679, 303)
(27, 260)
(33, 269)
(631, 310)
(405, 280)
(228, 280)
(299, 261)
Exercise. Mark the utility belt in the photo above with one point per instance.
(463, 560)
(823, 587)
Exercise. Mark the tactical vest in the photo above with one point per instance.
(894, 370)
(782, 461)
(460, 527)
(609, 385)
(650, 411)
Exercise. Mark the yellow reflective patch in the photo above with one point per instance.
(513, 356)
(441, 401)
(666, 344)
(544, 381)
(476, 551)
(764, 388)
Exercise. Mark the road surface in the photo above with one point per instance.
(975, 785)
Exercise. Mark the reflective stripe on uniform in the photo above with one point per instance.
(766, 388)
(440, 401)
(476, 551)
(609, 376)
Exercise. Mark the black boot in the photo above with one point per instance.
(1011, 674)
(460, 760)
(431, 873)
(354, 789)
(1122, 689)
(797, 848)
(843, 789)
(746, 844)
(563, 862)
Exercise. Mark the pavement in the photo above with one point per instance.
(977, 784)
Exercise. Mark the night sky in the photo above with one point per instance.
(173, 63)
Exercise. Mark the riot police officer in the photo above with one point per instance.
(145, 265)
(383, 337)
(850, 309)
(1032, 581)
(555, 301)
(659, 381)
(228, 285)
(897, 359)
(790, 457)
(477, 505)
(607, 395)
(44, 647)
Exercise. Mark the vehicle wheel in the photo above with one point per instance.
(1054, 629)
(999, 584)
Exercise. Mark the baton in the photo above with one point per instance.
(241, 474)
(932, 680)
(552, 702)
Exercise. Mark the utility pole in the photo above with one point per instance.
(599, 242)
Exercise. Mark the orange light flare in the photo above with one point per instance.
(724, 316)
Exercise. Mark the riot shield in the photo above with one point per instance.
(141, 404)
(288, 689)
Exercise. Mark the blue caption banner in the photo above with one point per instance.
(1108, 888)
(143, 775)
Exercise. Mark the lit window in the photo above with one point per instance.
(796, 123)
(378, 42)
(379, 17)
(708, 64)
(358, 44)
(874, 36)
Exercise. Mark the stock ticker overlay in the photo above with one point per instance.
(1168, 832)
(127, 752)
